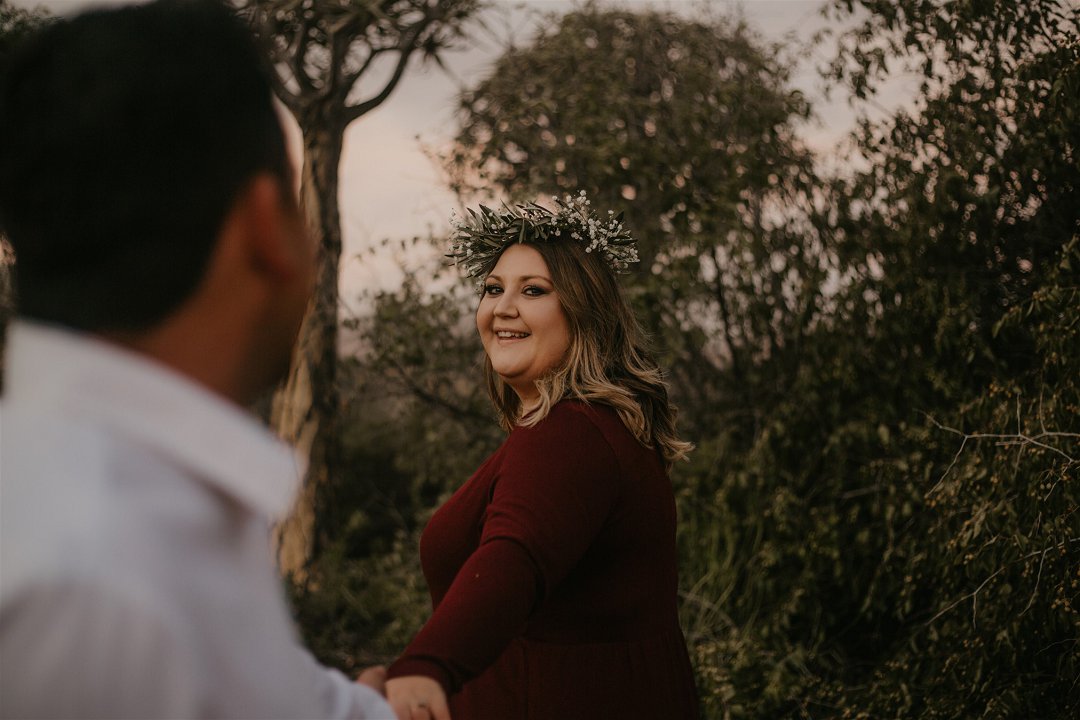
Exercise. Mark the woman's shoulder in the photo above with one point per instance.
(572, 418)
(572, 431)
(566, 417)
(579, 411)
(605, 421)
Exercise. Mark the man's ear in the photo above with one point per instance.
(272, 230)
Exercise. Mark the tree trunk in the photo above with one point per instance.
(306, 409)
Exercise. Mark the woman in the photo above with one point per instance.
(553, 569)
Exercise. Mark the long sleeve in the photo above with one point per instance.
(553, 492)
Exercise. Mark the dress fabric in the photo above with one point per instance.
(553, 577)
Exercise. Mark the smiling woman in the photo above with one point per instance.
(521, 322)
(553, 569)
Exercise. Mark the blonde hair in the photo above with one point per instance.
(607, 361)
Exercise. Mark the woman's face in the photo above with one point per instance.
(521, 322)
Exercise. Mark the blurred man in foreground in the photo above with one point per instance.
(162, 272)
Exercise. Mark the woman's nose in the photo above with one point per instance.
(505, 306)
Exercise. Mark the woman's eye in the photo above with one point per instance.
(492, 289)
(533, 291)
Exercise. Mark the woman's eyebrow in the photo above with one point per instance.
(522, 278)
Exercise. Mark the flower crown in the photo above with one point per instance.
(478, 240)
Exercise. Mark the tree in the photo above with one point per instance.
(322, 51)
(686, 125)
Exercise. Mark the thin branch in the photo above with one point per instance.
(1038, 578)
(341, 35)
(951, 465)
(354, 111)
(1006, 439)
(1042, 424)
(374, 53)
(725, 318)
(406, 47)
(300, 44)
(973, 594)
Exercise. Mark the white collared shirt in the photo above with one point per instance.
(136, 574)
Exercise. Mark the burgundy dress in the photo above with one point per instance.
(553, 576)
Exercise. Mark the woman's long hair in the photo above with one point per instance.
(607, 361)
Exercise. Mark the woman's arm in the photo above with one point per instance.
(556, 486)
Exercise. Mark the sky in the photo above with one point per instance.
(389, 186)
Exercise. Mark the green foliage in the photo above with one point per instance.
(880, 369)
(905, 521)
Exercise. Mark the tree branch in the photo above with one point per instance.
(353, 112)
(406, 47)
(974, 594)
(1017, 438)
(300, 46)
(340, 36)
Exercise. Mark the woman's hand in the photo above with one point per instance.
(416, 697)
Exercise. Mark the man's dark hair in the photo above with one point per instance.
(125, 137)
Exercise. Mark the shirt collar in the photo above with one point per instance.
(51, 369)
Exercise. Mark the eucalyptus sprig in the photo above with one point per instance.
(478, 239)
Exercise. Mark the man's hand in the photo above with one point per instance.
(416, 697)
(375, 678)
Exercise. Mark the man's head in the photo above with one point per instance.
(126, 138)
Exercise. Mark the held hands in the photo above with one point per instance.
(375, 678)
(416, 697)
